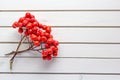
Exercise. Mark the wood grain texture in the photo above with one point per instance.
(71, 51)
(66, 18)
(61, 65)
(58, 4)
(70, 34)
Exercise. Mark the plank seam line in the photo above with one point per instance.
(110, 43)
(60, 73)
(65, 57)
(66, 10)
(73, 26)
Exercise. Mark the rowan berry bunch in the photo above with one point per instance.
(38, 37)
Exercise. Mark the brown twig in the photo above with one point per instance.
(11, 60)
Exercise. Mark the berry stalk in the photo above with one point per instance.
(12, 59)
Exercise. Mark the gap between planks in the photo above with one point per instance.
(73, 26)
(82, 10)
(65, 57)
(111, 43)
(60, 73)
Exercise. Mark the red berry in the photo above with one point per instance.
(49, 51)
(43, 39)
(39, 38)
(32, 16)
(28, 15)
(39, 32)
(50, 36)
(42, 34)
(30, 31)
(32, 20)
(35, 29)
(49, 58)
(44, 53)
(55, 54)
(43, 27)
(50, 41)
(21, 19)
(20, 25)
(46, 34)
(40, 25)
(52, 47)
(56, 49)
(26, 33)
(33, 37)
(44, 57)
(48, 29)
(25, 22)
(29, 25)
(28, 19)
(56, 43)
(20, 30)
(47, 46)
(36, 43)
(15, 24)
(35, 24)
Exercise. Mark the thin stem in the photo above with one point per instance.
(18, 51)
(11, 60)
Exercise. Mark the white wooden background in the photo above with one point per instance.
(89, 35)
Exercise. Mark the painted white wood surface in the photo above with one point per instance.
(66, 18)
(39, 77)
(61, 65)
(100, 77)
(58, 4)
(83, 28)
(71, 35)
(57, 77)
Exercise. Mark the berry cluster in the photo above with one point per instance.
(39, 34)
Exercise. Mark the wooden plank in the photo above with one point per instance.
(57, 77)
(70, 35)
(100, 77)
(71, 50)
(38, 77)
(66, 18)
(58, 4)
(61, 65)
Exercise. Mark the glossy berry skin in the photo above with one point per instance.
(43, 39)
(21, 19)
(36, 43)
(44, 57)
(33, 37)
(50, 41)
(48, 29)
(20, 25)
(56, 43)
(29, 25)
(55, 54)
(35, 24)
(28, 15)
(15, 24)
(25, 22)
(49, 58)
(47, 46)
(26, 33)
(20, 30)
(44, 53)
